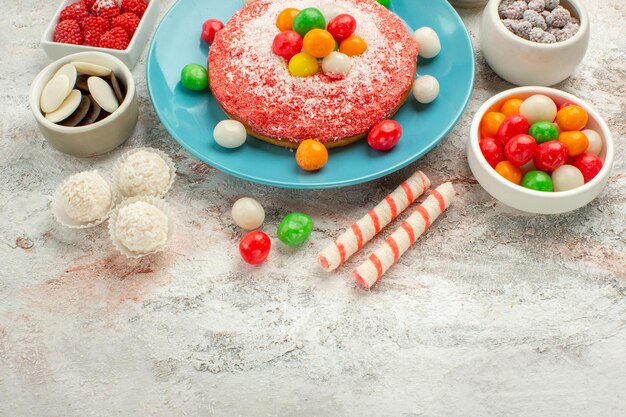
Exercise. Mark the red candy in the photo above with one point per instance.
(589, 164)
(254, 247)
(550, 155)
(513, 125)
(520, 149)
(341, 27)
(492, 150)
(385, 135)
(287, 44)
(209, 29)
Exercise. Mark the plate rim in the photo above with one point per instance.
(326, 184)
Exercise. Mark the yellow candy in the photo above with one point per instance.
(303, 65)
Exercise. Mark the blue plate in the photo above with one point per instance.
(190, 117)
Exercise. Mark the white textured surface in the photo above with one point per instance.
(492, 313)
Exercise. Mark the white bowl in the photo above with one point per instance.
(530, 200)
(522, 62)
(128, 56)
(100, 137)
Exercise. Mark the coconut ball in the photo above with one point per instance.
(86, 197)
(141, 227)
(143, 173)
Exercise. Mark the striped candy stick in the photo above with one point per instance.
(361, 232)
(370, 271)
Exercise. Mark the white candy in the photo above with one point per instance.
(330, 11)
(103, 94)
(230, 134)
(426, 89)
(595, 142)
(70, 72)
(54, 93)
(538, 108)
(337, 63)
(567, 177)
(248, 213)
(65, 110)
(428, 42)
(92, 69)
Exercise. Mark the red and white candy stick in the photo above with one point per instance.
(361, 232)
(370, 271)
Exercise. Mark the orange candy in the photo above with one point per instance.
(311, 155)
(285, 19)
(353, 46)
(572, 118)
(491, 123)
(576, 142)
(510, 172)
(511, 107)
(319, 43)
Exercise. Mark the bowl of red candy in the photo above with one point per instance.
(540, 150)
(118, 27)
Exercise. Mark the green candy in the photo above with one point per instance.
(295, 229)
(194, 77)
(537, 180)
(307, 20)
(385, 3)
(543, 132)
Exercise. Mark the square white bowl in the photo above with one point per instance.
(128, 56)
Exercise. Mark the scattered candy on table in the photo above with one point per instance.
(364, 230)
(230, 134)
(311, 155)
(426, 89)
(385, 135)
(255, 247)
(248, 213)
(295, 229)
(194, 77)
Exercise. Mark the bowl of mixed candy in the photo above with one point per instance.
(540, 150)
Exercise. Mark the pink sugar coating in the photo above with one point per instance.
(255, 86)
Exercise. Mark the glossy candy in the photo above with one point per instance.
(567, 103)
(287, 44)
(538, 107)
(311, 155)
(353, 46)
(337, 63)
(248, 213)
(550, 155)
(194, 77)
(341, 27)
(572, 118)
(492, 150)
(385, 135)
(428, 42)
(520, 149)
(588, 164)
(543, 132)
(512, 126)
(426, 89)
(303, 65)
(567, 177)
(230, 134)
(255, 247)
(319, 43)
(537, 180)
(295, 229)
(510, 172)
(511, 106)
(576, 142)
(209, 29)
(595, 142)
(491, 123)
(385, 3)
(307, 20)
(284, 21)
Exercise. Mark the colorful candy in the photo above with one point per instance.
(567, 177)
(537, 108)
(209, 29)
(492, 150)
(550, 155)
(230, 134)
(426, 89)
(287, 44)
(319, 43)
(491, 123)
(303, 65)
(295, 229)
(353, 46)
(572, 117)
(341, 27)
(255, 247)
(428, 42)
(248, 214)
(537, 180)
(589, 164)
(520, 149)
(385, 3)
(512, 126)
(194, 77)
(576, 142)
(307, 20)
(511, 106)
(543, 132)
(510, 171)
(385, 135)
(284, 21)
(311, 155)
(337, 63)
